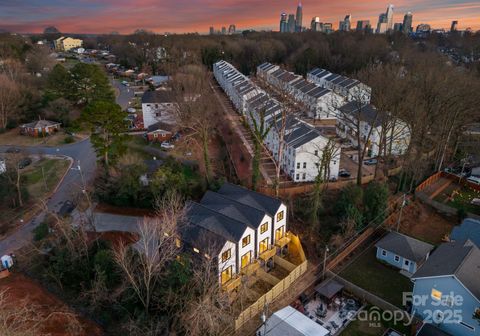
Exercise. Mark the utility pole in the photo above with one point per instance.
(44, 181)
(404, 201)
(264, 318)
(463, 169)
(325, 262)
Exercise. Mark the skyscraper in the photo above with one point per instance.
(232, 29)
(407, 23)
(345, 25)
(298, 19)
(291, 23)
(382, 24)
(362, 25)
(283, 23)
(398, 27)
(316, 25)
(454, 26)
(224, 31)
(389, 15)
(212, 31)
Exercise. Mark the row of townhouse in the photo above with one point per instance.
(396, 136)
(317, 99)
(350, 89)
(303, 143)
(235, 84)
(241, 229)
(348, 102)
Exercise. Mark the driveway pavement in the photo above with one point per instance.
(124, 93)
(83, 155)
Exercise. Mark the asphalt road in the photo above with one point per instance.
(83, 155)
(125, 93)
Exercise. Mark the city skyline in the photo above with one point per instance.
(94, 16)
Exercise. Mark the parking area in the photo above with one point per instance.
(348, 163)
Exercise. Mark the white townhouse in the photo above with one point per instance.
(302, 154)
(318, 100)
(397, 135)
(158, 106)
(239, 228)
(350, 89)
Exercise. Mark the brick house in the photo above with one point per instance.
(40, 128)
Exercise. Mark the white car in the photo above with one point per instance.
(474, 179)
(167, 145)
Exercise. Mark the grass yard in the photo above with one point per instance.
(459, 197)
(14, 138)
(38, 188)
(384, 281)
(373, 327)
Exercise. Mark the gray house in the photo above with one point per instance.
(404, 252)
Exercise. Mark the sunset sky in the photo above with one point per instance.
(124, 16)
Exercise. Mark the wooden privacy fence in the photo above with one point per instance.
(271, 295)
(428, 181)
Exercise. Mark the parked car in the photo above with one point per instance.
(125, 83)
(474, 179)
(370, 162)
(24, 163)
(66, 208)
(131, 110)
(13, 150)
(167, 145)
(344, 173)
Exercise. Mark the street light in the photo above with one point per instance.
(79, 168)
(325, 261)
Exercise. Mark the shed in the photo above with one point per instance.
(329, 289)
(403, 252)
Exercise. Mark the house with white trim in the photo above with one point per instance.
(241, 229)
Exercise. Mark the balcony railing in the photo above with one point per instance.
(283, 241)
(251, 268)
(232, 284)
(269, 253)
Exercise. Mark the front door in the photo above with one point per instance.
(406, 264)
(246, 259)
(279, 233)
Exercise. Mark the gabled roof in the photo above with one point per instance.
(367, 112)
(405, 246)
(226, 227)
(40, 124)
(160, 126)
(461, 259)
(246, 214)
(158, 97)
(469, 229)
(251, 198)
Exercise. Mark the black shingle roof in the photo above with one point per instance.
(251, 198)
(405, 246)
(158, 97)
(367, 112)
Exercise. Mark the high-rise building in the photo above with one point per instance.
(316, 25)
(298, 18)
(212, 31)
(362, 25)
(407, 23)
(389, 15)
(423, 28)
(224, 31)
(283, 23)
(291, 23)
(345, 25)
(231, 29)
(398, 27)
(454, 26)
(382, 24)
(327, 27)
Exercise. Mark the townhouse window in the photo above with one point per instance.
(226, 255)
(384, 253)
(304, 165)
(397, 258)
(226, 274)
(298, 165)
(304, 176)
(264, 227)
(246, 241)
(297, 177)
(316, 153)
(279, 216)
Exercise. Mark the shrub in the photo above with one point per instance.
(69, 139)
(40, 232)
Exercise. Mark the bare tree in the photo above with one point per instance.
(196, 109)
(260, 132)
(144, 263)
(9, 99)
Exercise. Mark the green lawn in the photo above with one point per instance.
(461, 199)
(382, 280)
(374, 328)
(42, 176)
